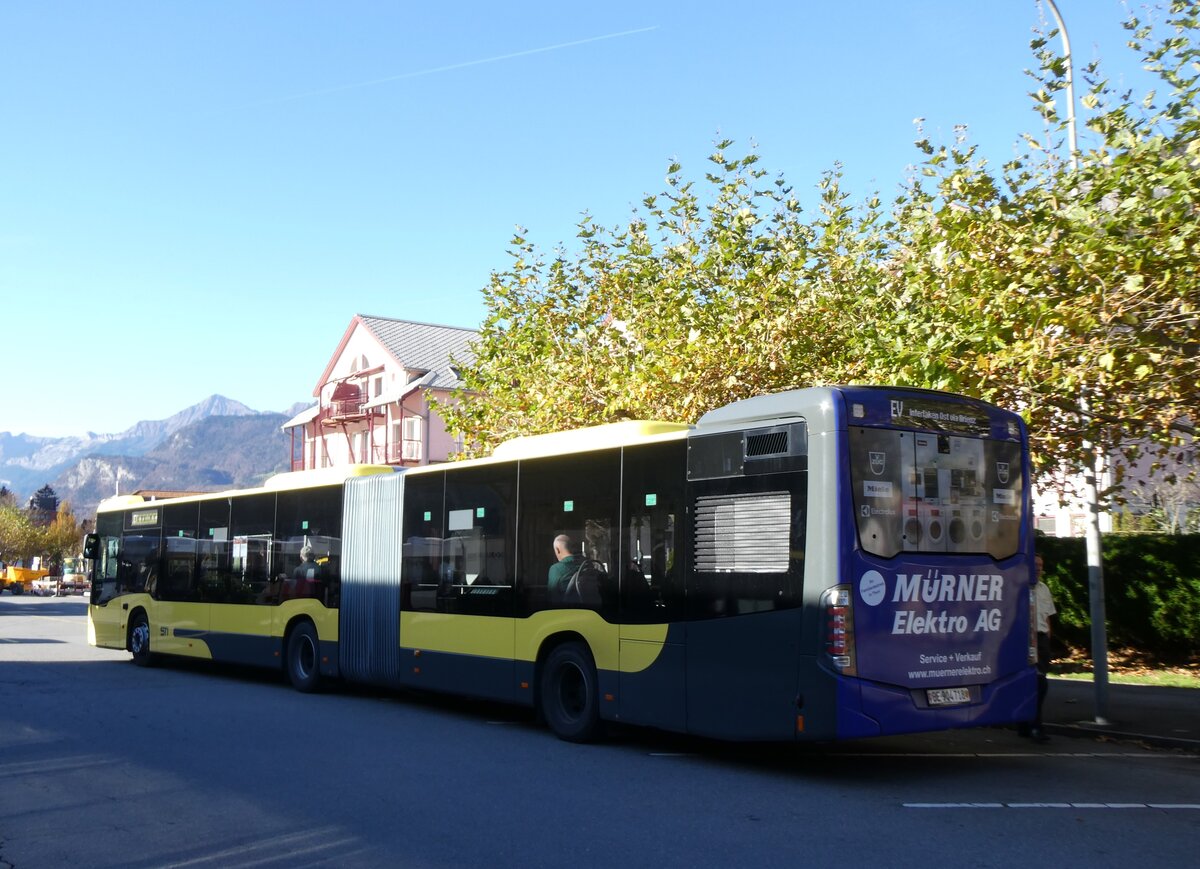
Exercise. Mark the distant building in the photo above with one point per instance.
(1166, 487)
(373, 396)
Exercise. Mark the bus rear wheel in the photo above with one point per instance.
(139, 640)
(304, 658)
(570, 701)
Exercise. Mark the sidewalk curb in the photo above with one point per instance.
(1092, 731)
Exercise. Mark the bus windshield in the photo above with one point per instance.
(935, 492)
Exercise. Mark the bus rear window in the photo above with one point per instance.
(928, 492)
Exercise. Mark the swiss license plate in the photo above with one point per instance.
(948, 696)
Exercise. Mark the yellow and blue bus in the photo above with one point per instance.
(823, 563)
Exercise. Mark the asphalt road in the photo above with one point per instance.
(103, 764)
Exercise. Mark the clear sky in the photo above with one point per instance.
(196, 198)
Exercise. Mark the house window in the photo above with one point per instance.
(378, 389)
(411, 442)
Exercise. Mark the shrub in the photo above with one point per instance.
(1151, 590)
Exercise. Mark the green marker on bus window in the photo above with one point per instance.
(568, 506)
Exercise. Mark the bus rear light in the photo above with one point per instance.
(838, 605)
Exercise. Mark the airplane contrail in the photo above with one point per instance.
(452, 66)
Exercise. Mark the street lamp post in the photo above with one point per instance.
(1092, 532)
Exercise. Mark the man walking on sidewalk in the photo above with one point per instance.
(1044, 608)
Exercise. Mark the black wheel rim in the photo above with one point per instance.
(572, 691)
(306, 657)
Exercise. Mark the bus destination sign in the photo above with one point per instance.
(143, 519)
(939, 416)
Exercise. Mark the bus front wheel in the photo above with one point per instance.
(139, 640)
(570, 700)
(304, 658)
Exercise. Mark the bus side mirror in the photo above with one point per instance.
(91, 546)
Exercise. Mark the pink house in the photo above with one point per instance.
(372, 399)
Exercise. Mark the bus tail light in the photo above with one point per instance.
(838, 604)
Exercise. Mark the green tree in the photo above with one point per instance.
(19, 539)
(704, 297)
(1065, 289)
(63, 537)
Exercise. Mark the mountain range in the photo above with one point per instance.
(215, 444)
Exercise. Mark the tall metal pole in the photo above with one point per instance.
(1072, 144)
(1091, 496)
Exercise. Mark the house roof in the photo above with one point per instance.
(424, 347)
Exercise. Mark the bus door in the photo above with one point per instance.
(106, 620)
(747, 497)
(251, 584)
(651, 586)
(179, 622)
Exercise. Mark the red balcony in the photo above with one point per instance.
(345, 405)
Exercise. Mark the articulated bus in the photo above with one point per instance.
(822, 564)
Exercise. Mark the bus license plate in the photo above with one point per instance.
(948, 696)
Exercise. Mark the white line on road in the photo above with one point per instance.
(1161, 806)
(1144, 755)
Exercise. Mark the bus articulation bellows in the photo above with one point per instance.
(824, 563)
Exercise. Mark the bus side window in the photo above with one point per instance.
(748, 546)
(576, 496)
(421, 553)
(652, 565)
(475, 571)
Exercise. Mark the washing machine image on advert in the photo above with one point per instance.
(933, 525)
(914, 533)
(956, 528)
(974, 518)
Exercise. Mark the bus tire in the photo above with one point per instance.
(569, 698)
(139, 640)
(304, 658)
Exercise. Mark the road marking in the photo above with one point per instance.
(272, 850)
(53, 765)
(1145, 755)
(1160, 806)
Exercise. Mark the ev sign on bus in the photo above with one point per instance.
(926, 414)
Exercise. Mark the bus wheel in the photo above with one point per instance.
(569, 699)
(139, 640)
(304, 658)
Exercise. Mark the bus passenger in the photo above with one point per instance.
(569, 559)
(307, 575)
(308, 568)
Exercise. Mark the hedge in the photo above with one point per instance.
(1151, 591)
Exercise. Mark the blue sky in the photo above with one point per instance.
(196, 198)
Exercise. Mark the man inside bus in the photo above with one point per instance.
(307, 575)
(569, 559)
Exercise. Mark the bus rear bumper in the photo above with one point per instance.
(884, 710)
